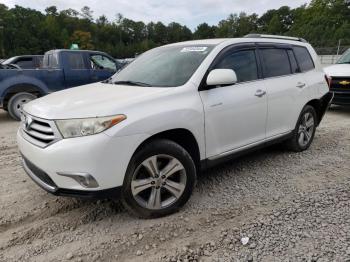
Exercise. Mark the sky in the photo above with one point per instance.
(187, 12)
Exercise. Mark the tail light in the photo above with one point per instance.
(328, 80)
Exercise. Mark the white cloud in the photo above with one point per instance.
(190, 13)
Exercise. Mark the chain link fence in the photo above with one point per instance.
(330, 55)
(332, 50)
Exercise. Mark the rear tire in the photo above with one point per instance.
(304, 132)
(159, 180)
(16, 102)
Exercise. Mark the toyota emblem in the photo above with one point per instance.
(28, 122)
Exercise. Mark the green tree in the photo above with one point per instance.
(87, 13)
(275, 26)
(83, 39)
(204, 31)
(28, 31)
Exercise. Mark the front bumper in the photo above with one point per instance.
(105, 158)
(45, 182)
(341, 98)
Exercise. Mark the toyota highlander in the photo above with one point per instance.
(144, 134)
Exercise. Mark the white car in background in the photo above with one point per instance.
(339, 79)
(145, 134)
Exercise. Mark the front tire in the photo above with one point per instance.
(304, 132)
(159, 180)
(16, 102)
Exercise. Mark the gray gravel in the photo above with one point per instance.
(291, 207)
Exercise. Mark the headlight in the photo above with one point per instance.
(87, 126)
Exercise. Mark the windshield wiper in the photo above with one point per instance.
(107, 81)
(131, 83)
(342, 63)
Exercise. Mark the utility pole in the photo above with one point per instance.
(338, 46)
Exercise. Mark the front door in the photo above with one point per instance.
(76, 71)
(235, 115)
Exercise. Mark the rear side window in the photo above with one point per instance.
(76, 61)
(243, 63)
(26, 63)
(304, 58)
(276, 62)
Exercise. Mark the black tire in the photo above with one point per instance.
(158, 148)
(15, 103)
(294, 143)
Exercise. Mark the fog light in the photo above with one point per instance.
(84, 179)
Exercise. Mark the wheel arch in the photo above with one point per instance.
(321, 105)
(316, 104)
(181, 136)
(18, 88)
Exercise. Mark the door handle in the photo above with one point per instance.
(260, 93)
(301, 85)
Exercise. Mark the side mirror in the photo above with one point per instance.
(219, 77)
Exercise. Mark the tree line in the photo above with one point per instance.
(26, 31)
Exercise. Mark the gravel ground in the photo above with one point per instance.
(272, 205)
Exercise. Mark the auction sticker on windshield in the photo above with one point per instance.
(194, 49)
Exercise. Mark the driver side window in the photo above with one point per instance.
(101, 62)
(243, 63)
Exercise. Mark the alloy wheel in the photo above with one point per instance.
(158, 182)
(306, 129)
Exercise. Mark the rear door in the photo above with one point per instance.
(76, 69)
(52, 73)
(286, 88)
(102, 67)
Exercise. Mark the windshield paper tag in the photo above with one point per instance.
(194, 49)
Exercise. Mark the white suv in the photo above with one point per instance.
(146, 133)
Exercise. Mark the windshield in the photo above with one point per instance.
(9, 61)
(345, 59)
(168, 66)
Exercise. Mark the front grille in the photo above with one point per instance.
(38, 131)
(39, 173)
(340, 84)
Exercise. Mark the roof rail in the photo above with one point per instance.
(276, 37)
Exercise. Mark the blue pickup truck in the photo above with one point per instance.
(61, 69)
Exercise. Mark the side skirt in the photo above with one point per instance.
(225, 157)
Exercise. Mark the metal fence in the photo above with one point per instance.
(330, 55)
(329, 59)
(335, 50)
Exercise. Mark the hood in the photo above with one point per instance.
(338, 70)
(91, 100)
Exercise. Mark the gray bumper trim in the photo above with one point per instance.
(37, 180)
